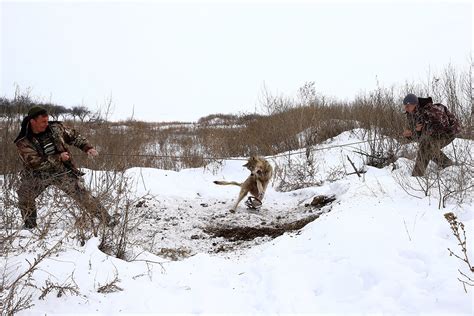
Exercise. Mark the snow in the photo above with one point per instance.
(376, 249)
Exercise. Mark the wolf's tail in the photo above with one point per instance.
(228, 183)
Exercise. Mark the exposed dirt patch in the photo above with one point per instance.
(177, 228)
(250, 233)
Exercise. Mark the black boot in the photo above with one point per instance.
(30, 223)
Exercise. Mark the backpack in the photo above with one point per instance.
(447, 122)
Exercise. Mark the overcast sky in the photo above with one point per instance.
(184, 60)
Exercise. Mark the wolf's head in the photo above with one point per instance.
(258, 166)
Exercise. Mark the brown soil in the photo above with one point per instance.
(249, 233)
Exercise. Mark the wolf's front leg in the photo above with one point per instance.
(261, 191)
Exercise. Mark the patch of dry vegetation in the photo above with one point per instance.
(287, 124)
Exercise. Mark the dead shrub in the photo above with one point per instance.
(67, 288)
(297, 172)
(457, 227)
(111, 286)
(175, 254)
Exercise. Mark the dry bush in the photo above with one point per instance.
(14, 298)
(457, 227)
(414, 186)
(110, 287)
(457, 185)
(16, 286)
(66, 288)
(297, 172)
(114, 190)
(379, 113)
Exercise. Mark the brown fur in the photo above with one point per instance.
(256, 183)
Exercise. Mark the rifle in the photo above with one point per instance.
(68, 164)
(413, 119)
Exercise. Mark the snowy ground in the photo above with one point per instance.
(377, 249)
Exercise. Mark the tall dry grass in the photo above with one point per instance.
(284, 123)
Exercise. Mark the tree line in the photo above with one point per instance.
(21, 103)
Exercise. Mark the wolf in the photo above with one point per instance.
(256, 183)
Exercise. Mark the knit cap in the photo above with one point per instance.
(36, 111)
(410, 99)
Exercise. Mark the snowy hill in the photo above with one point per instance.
(380, 247)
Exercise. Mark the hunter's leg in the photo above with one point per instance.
(74, 187)
(30, 188)
(439, 157)
(423, 157)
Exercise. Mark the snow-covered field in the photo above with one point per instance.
(377, 248)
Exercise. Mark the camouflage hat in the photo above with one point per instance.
(37, 111)
(410, 99)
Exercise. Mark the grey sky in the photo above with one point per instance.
(181, 61)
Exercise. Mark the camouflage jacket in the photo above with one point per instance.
(436, 119)
(35, 160)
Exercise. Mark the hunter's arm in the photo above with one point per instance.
(34, 161)
(72, 137)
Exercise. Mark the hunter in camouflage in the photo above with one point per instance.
(42, 147)
(434, 127)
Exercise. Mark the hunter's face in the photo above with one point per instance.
(39, 124)
(410, 108)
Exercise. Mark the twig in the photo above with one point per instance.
(406, 229)
(353, 166)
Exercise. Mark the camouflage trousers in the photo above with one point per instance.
(32, 186)
(430, 149)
